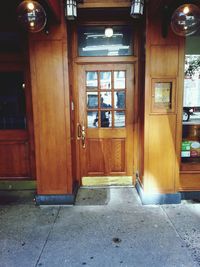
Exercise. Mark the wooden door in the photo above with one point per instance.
(105, 120)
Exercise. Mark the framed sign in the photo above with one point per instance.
(163, 95)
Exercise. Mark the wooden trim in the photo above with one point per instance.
(104, 4)
(8, 135)
(56, 9)
(96, 60)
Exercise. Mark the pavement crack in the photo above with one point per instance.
(172, 224)
(51, 228)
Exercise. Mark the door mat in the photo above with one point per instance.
(92, 196)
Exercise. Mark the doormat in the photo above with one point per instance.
(107, 180)
(92, 196)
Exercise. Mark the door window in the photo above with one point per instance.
(106, 99)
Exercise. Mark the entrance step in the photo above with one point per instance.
(107, 180)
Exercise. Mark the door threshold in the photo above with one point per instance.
(107, 181)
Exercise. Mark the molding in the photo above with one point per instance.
(157, 198)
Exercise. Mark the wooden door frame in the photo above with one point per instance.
(75, 62)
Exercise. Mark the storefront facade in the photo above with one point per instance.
(96, 109)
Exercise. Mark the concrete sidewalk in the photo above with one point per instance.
(107, 227)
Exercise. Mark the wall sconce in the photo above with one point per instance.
(137, 8)
(32, 16)
(71, 9)
(185, 20)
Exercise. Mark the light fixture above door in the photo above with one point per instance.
(71, 9)
(137, 8)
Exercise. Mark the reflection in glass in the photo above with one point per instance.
(91, 80)
(119, 79)
(190, 149)
(12, 101)
(93, 42)
(106, 119)
(106, 100)
(119, 99)
(92, 100)
(105, 80)
(119, 119)
(92, 120)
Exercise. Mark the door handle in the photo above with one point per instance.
(83, 135)
(78, 131)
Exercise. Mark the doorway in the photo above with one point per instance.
(105, 123)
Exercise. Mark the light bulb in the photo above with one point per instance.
(109, 32)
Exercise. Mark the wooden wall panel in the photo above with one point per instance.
(189, 182)
(161, 159)
(164, 60)
(161, 153)
(49, 116)
(14, 159)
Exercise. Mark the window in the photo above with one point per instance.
(12, 101)
(106, 99)
(190, 150)
(93, 42)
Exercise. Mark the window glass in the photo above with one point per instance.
(93, 42)
(190, 150)
(12, 101)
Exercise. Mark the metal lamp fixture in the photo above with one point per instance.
(31, 16)
(137, 8)
(71, 9)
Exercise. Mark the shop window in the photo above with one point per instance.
(12, 101)
(190, 152)
(92, 41)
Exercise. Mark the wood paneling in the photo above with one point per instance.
(49, 116)
(160, 130)
(95, 161)
(161, 153)
(117, 155)
(109, 157)
(14, 159)
(189, 182)
(104, 3)
(164, 60)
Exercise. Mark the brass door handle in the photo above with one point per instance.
(83, 135)
(78, 131)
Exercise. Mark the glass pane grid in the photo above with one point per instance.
(106, 105)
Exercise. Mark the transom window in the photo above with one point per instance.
(92, 41)
(106, 98)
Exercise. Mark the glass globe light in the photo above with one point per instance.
(32, 16)
(108, 32)
(185, 20)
